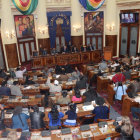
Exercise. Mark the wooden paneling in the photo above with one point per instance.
(70, 58)
(12, 56)
(45, 42)
(77, 40)
(111, 40)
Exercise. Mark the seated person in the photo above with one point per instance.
(127, 73)
(42, 50)
(77, 96)
(83, 48)
(53, 51)
(74, 49)
(15, 89)
(134, 111)
(120, 90)
(101, 110)
(134, 59)
(28, 81)
(12, 73)
(64, 49)
(126, 60)
(2, 74)
(67, 68)
(53, 85)
(115, 64)
(82, 83)
(64, 99)
(90, 47)
(58, 70)
(4, 90)
(126, 129)
(36, 118)
(55, 118)
(35, 53)
(19, 73)
(118, 77)
(134, 88)
(19, 119)
(72, 116)
(90, 95)
(103, 66)
(2, 125)
(10, 81)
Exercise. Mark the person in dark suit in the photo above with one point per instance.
(101, 111)
(4, 90)
(64, 49)
(69, 46)
(74, 49)
(83, 48)
(90, 47)
(82, 83)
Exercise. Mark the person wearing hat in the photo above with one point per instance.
(36, 118)
(53, 85)
(19, 119)
(64, 99)
(101, 111)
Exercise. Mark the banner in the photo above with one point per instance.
(59, 21)
(25, 7)
(92, 5)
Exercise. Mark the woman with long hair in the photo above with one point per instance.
(77, 96)
(72, 116)
(36, 117)
(126, 129)
(55, 118)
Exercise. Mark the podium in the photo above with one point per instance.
(108, 52)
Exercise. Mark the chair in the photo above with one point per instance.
(86, 118)
(77, 102)
(138, 114)
(103, 120)
(62, 105)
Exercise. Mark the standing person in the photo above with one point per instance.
(120, 90)
(19, 73)
(55, 118)
(19, 119)
(72, 116)
(36, 117)
(125, 129)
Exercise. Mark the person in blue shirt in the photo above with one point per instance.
(101, 111)
(55, 118)
(120, 90)
(4, 90)
(72, 116)
(19, 119)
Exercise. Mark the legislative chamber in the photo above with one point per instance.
(69, 70)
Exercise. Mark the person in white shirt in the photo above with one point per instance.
(19, 73)
(54, 85)
(15, 89)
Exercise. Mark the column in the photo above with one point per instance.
(8, 35)
(42, 25)
(111, 25)
(76, 23)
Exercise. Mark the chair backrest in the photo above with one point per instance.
(36, 130)
(103, 120)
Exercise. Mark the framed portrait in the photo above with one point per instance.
(94, 22)
(24, 25)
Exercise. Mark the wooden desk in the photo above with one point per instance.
(111, 93)
(102, 84)
(127, 104)
(94, 133)
(18, 101)
(71, 58)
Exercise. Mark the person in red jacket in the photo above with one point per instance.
(118, 77)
